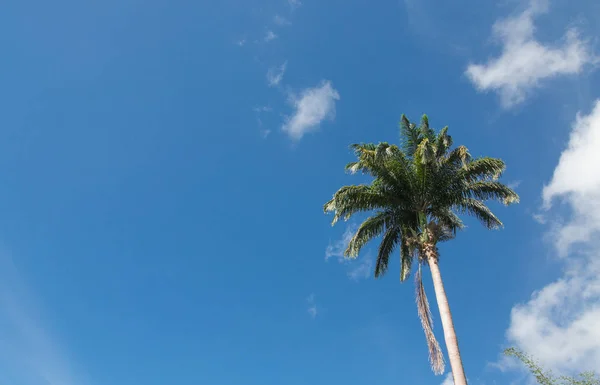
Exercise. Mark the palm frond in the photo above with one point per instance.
(371, 157)
(436, 357)
(369, 229)
(409, 135)
(488, 190)
(350, 200)
(386, 247)
(446, 235)
(396, 164)
(480, 211)
(442, 143)
(439, 232)
(483, 168)
(386, 163)
(448, 219)
(459, 157)
(367, 160)
(425, 153)
(406, 259)
(426, 131)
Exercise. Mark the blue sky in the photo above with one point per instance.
(164, 167)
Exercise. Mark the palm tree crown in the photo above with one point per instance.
(418, 190)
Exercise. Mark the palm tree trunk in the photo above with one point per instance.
(458, 372)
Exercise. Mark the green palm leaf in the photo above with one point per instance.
(386, 247)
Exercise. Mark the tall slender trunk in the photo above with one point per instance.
(458, 372)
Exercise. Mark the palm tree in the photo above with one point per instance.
(417, 192)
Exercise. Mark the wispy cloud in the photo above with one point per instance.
(336, 249)
(262, 109)
(525, 62)
(312, 306)
(259, 110)
(540, 218)
(294, 4)
(281, 21)
(356, 269)
(312, 106)
(514, 184)
(275, 74)
(361, 269)
(559, 324)
(419, 17)
(30, 354)
(241, 42)
(269, 36)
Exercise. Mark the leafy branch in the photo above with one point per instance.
(545, 377)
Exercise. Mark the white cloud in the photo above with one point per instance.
(576, 179)
(312, 106)
(269, 36)
(312, 306)
(241, 42)
(560, 324)
(448, 380)
(275, 75)
(29, 354)
(525, 62)
(281, 21)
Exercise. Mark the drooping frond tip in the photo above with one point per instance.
(436, 357)
(329, 206)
